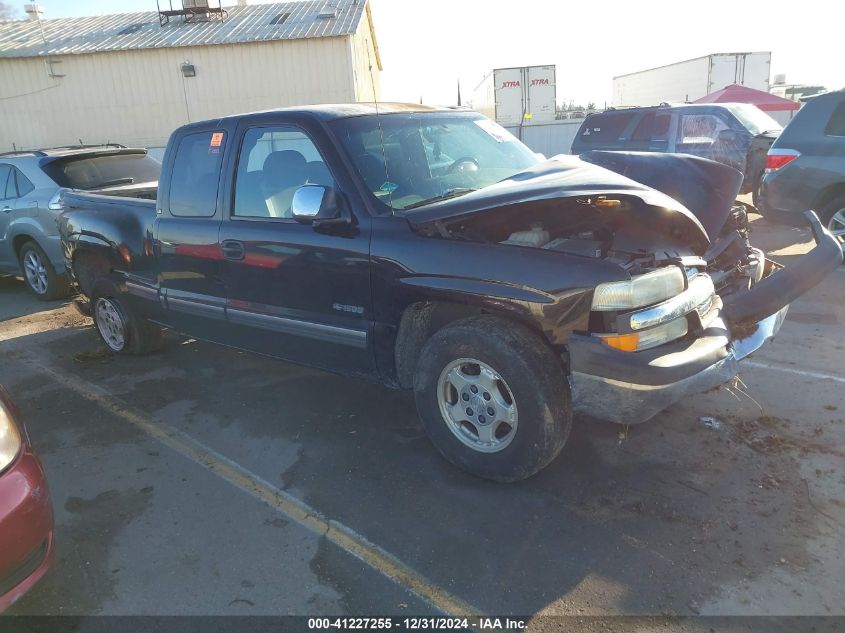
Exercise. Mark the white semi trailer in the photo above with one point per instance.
(523, 95)
(692, 79)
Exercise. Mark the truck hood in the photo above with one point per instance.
(702, 191)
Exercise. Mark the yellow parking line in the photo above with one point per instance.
(341, 535)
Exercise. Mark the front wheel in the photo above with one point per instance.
(123, 331)
(493, 397)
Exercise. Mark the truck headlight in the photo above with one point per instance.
(646, 339)
(642, 290)
(10, 437)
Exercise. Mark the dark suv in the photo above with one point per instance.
(805, 168)
(736, 134)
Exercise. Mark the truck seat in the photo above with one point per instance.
(282, 174)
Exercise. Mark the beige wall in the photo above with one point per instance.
(138, 97)
(367, 86)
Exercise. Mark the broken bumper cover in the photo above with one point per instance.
(630, 388)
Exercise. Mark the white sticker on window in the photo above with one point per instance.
(495, 130)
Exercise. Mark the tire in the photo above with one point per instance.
(755, 191)
(513, 370)
(39, 275)
(122, 331)
(832, 215)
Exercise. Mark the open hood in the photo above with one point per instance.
(575, 177)
(706, 188)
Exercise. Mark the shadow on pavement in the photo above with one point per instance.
(649, 519)
(17, 301)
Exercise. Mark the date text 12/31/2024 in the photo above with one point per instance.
(417, 624)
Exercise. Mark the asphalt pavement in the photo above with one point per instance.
(202, 480)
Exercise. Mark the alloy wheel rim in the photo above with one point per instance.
(477, 405)
(110, 324)
(36, 273)
(836, 225)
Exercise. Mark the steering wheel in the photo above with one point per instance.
(463, 164)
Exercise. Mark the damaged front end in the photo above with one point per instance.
(731, 307)
(695, 296)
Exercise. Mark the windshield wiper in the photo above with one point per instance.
(449, 193)
(117, 181)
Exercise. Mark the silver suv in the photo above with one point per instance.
(31, 185)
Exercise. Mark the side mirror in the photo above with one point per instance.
(318, 206)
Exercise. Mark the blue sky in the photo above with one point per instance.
(426, 45)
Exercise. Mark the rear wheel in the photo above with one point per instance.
(493, 397)
(833, 215)
(40, 276)
(123, 331)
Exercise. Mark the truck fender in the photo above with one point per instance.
(446, 300)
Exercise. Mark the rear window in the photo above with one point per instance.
(196, 173)
(604, 127)
(99, 172)
(836, 125)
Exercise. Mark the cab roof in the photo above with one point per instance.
(332, 111)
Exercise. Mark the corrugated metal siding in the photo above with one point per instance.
(139, 97)
(71, 36)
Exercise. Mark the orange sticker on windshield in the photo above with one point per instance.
(216, 139)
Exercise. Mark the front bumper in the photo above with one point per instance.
(630, 388)
(26, 527)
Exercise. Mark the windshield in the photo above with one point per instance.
(753, 118)
(96, 172)
(427, 157)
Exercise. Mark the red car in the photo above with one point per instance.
(26, 514)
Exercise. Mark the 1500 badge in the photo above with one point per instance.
(343, 307)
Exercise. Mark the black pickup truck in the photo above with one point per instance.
(428, 249)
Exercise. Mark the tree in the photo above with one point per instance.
(7, 11)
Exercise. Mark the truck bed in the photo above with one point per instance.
(117, 228)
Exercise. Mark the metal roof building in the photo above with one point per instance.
(127, 78)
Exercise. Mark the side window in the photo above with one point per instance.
(836, 125)
(196, 173)
(273, 163)
(604, 128)
(700, 128)
(23, 183)
(5, 173)
(654, 126)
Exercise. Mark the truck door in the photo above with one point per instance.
(292, 291)
(187, 235)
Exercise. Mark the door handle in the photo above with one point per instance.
(233, 249)
(7, 209)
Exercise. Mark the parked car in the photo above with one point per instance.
(26, 515)
(31, 183)
(428, 249)
(805, 168)
(736, 134)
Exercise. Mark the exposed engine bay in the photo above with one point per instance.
(622, 230)
(608, 228)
